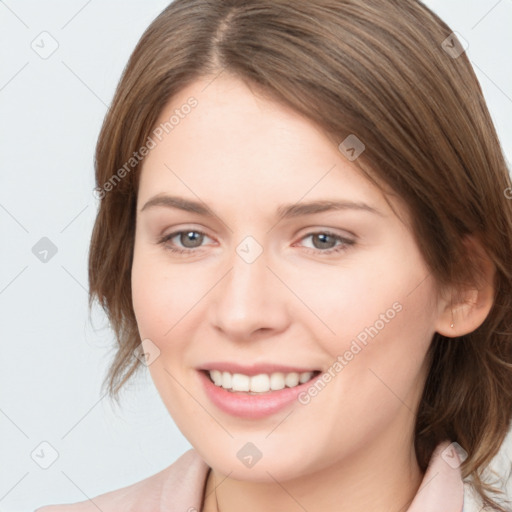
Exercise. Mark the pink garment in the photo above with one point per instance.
(180, 488)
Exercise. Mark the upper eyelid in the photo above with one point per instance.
(310, 230)
(172, 234)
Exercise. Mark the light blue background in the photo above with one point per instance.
(52, 359)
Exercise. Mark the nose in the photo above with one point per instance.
(249, 300)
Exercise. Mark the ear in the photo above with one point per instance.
(467, 306)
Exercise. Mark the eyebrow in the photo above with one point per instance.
(283, 211)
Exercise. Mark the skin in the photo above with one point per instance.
(351, 447)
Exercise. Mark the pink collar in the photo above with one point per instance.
(441, 489)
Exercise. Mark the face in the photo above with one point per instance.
(248, 272)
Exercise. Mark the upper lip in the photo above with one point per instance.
(256, 369)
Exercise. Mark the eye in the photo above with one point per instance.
(190, 239)
(324, 242)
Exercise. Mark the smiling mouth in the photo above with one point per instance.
(261, 383)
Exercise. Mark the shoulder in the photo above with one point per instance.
(180, 484)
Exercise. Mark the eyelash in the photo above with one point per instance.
(343, 246)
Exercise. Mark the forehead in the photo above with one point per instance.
(239, 148)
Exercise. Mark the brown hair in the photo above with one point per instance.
(377, 70)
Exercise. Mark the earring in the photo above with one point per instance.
(451, 325)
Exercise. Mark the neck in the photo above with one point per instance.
(379, 477)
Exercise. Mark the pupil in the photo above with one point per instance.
(323, 240)
(191, 236)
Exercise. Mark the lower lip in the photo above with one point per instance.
(244, 405)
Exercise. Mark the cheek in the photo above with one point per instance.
(162, 294)
(375, 323)
(381, 290)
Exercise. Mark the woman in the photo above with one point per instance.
(304, 234)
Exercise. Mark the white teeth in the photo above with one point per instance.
(227, 380)
(262, 383)
(216, 377)
(277, 381)
(292, 379)
(240, 382)
(304, 377)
